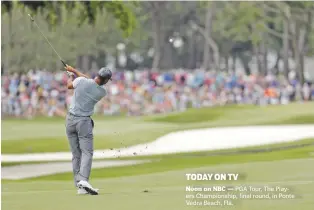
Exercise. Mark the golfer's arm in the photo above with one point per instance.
(70, 82)
(79, 74)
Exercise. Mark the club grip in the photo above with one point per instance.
(63, 63)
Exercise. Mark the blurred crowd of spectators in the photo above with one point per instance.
(143, 93)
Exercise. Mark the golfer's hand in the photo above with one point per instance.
(70, 69)
(70, 74)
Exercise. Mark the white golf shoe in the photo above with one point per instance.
(82, 191)
(87, 187)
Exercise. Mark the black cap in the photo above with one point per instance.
(105, 72)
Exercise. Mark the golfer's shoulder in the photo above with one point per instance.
(78, 80)
(89, 80)
(85, 81)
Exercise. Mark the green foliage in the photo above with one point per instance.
(70, 28)
(123, 14)
(19, 39)
(95, 28)
(244, 21)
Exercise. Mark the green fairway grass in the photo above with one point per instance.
(166, 190)
(48, 135)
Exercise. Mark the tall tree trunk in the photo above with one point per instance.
(296, 54)
(167, 58)
(199, 52)
(285, 42)
(206, 57)
(10, 44)
(227, 63)
(79, 61)
(156, 23)
(257, 56)
(208, 27)
(245, 62)
(264, 57)
(302, 78)
(85, 66)
(192, 52)
(234, 61)
(298, 40)
(300, 55)
(304, 42)
(276, 66)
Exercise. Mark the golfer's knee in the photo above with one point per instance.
(86, 146)
(88, 152)
(76, 155)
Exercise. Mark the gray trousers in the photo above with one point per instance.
(79, 131)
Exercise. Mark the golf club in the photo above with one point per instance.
(32, 19)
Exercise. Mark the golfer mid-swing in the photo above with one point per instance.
(79, 125)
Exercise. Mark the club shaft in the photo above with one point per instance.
(48, 42)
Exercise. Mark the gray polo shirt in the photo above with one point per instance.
(86, 94)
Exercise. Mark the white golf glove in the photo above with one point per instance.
(70, 73)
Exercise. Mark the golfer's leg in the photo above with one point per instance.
(75, 148)
(85, 134)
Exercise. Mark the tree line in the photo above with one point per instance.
(161, 35)
(79, 31)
